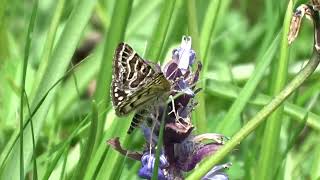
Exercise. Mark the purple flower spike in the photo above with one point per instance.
(191, 151)
(184, 56)
(182, 59)
(147, 162)
(147, 134)
(188, 160)
(179, 71)
(192, 57)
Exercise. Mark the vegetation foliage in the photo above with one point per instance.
(55, 74)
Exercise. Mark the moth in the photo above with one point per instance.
(136, 85)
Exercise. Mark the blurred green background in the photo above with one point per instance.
(55, 71)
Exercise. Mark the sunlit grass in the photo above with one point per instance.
(70, 104)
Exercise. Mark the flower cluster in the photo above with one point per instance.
(181, 150)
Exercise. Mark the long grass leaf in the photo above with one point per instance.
(115, 35)
(86, 155)
(23, 82)
(48, 46)
(229, 121)
(270, 146)
(259, 118)
(34, 159)
(55, 69)
(228, 91)
(63, 147)
(156, 42)
(200, 112)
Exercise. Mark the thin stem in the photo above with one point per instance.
(266, 111)
(259, 118)
(159, 146)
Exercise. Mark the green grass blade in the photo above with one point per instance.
(100, 154)
(14, 138)
(34, 158)
(114, 36)
(226, 127)
(62, 148)
(65, 159)
(193, 26)
(315, 173)
(207, 31)
(84, 73)
(156, 42)
(4, 49)
(87, 154)
(228, 91)
(146, 9)
(48, 46)
(259, 118)
(23, 82)
(200, 112)
(113, 158)
(270, 146)
(55, 69)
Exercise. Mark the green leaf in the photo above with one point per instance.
(57, 65)
(87, 153)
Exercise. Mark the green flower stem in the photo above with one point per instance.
(229, 91)
(208, 163)
(159, 147)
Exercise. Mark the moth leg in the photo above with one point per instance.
(173, 72)
(176, 114)
(173, 107)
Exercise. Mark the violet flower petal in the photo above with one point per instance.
(147, 162)
(146, 173)
(216, 174)
(187, 163)
(183, 87)
(184, 54)
(147, 134)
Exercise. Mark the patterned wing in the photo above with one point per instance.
(134, 81)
